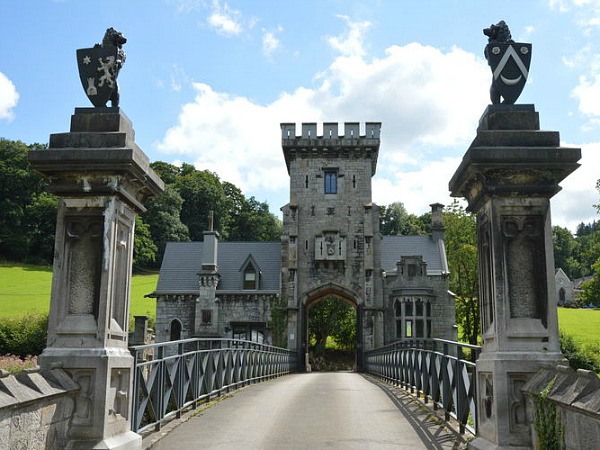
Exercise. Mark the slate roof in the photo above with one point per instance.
(183, 261)
(434, 253)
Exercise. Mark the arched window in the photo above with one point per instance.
(175, 330)
(561, 296)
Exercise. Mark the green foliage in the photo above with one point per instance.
(579, 357)
(163, 219)
(24, 335)
(27, 212)
(144, 248)
(394, 220)
(547, 423)
(461, 250)
(278, 322)
(332, 318)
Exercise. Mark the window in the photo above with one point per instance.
(250, 277)
(412, 318)
(206, 316)
(331, 182)
(175, 332)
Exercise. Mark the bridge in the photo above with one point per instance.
(516, 393)
(379, 408)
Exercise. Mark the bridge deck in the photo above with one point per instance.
(315, 410)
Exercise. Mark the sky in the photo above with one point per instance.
(208, 82)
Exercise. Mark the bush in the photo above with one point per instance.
(579, 357)
(23, 336)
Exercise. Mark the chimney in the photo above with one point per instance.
(437, 221)
(210, 246)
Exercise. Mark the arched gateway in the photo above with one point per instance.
(331, 245)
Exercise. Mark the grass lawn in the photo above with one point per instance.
(26, 288)
(582, 324)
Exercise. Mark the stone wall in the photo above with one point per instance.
(576, 397)
(36, 408)
(170, 307)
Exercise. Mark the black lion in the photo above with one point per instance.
(116, 39)
(496, 34)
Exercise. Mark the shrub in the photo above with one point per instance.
(579, 357)
(23, 336)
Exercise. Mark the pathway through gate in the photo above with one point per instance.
(337, 410)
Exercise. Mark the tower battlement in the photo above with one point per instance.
(330, 131)
(331, 144)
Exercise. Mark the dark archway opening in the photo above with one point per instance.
(332, 331)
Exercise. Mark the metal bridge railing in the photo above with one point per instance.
(442, 371)
(171, 377)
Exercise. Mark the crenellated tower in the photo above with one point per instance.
(329, 244)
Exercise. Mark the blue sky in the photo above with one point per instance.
(208, 82)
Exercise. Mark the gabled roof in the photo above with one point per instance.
(183, 261)
(433, 252)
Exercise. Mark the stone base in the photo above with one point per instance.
(125, 441)
(483, 444)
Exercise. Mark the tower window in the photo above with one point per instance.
(331, 182)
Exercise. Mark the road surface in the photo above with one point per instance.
(336, 410)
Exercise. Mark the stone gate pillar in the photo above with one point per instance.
(102, 179)
(508, 175)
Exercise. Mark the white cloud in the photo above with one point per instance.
(351, 42)
(9, 97)
(270, 42)
(587, 92)
(574, 203)
(429, 102)
(224, 19)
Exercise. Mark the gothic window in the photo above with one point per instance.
(413, 318)
(175, 330)
(331, 181)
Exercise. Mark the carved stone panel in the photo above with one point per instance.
(119, 390)
(486, 278)
(86, 379)
(84, 253)
(518, 416)
(120, 288)
(523, 238)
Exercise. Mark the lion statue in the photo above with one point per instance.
(116, 39)
(496, 34)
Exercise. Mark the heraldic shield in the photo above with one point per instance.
(98, 70)
(510, 68)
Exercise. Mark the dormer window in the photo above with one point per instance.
(331, 181)
(250, 277)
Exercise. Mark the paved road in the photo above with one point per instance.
(304, 411)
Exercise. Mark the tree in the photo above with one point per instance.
(461, 248)
(394, 220)
(202, 192)
(144, 249)
(162, 218)
(332, 318)
(22, 197)
(565, 247)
